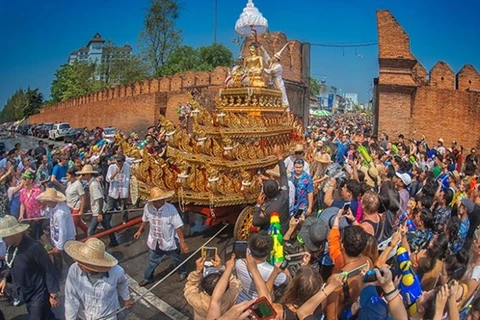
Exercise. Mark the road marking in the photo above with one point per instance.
(156, 301)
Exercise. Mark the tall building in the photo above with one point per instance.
(97, 52)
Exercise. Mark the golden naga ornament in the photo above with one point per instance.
(217, 162)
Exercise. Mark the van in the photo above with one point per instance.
(58, 131)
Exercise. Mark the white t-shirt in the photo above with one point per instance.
(249, 291)
(73, 193)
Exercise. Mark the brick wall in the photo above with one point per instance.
(137, 106)
(444, 104)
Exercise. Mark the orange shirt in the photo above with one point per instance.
(334, 249)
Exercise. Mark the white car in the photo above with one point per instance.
(59, 130)
(109, 134)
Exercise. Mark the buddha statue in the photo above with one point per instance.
(253, 67)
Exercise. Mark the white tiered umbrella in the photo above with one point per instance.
(251, 20)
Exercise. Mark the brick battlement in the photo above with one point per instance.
(137, 106)
(167, 84)
(442, 104)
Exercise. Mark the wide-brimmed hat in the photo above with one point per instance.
(159, 194)
(51, 195)
(371, 175)
(314, 232)
(441, 140)
(9, 226)
(87, 169)
(275, 172)
(91, 254)
(299, 148)
(455, 176)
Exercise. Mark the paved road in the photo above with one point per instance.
(166, 301)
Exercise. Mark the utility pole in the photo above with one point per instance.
(215, 22)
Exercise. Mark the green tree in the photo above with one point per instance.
(315, 86)
(215, 55)
(34, 102)
(13, 109)
(74, 80)
(183, 58)
(187, 58)
(160, 35)
(119, 66)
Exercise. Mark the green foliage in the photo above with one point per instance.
(187, 58)
(34, 102)
(21, 104)
(120, 67)
(160, 35)
(74, 80)
(316, 87)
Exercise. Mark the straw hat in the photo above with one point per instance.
(51, 195)
(298, 148)
(87, 169)
(9, 226)
(90, 254)
(159, 194)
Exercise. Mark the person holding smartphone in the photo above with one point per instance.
(274, 197)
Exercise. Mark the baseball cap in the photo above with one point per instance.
(405, 177)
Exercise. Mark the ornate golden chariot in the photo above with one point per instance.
(214, 169)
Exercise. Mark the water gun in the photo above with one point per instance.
(142, 144)
(394, 148)
(406, 217)
(275, 232)
(443, 180)
(410, 287)
(364, 153)
(100, 143)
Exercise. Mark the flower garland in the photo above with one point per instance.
(10, 263)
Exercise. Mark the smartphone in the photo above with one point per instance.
(355, 272)
(240, 249)
(209, 253)
(371, 276)
(346, 207)
(284, 265)
(299, 213)
(262, 309)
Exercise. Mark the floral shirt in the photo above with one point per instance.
(30, 202)
(462, 236)
(441, 215)
(419, 239)
(303, 186)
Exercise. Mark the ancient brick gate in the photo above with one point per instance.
(407, 99)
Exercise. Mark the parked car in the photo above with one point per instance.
(58, 131)
(44, 131)
(109, 134)
(72, 134)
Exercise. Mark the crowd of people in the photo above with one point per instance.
(368, 227)
(374, 228)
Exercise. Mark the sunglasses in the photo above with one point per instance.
(299, 162)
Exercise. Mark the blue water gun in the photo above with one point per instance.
(443, 180)
(410, 287)
(406, 217)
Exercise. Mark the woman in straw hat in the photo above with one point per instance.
(62, 228)
(97, 201)
(298, 154)
(165, 236)
(94, 282)
(30, 268)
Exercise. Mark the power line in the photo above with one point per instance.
(345, 45)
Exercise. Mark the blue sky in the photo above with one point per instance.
(37, 36)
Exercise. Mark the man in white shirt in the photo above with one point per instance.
(94, 282)
(299, 154)
(62, 228)
(260, 245)
(165, 237)
(96, 194)
(118, 176)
